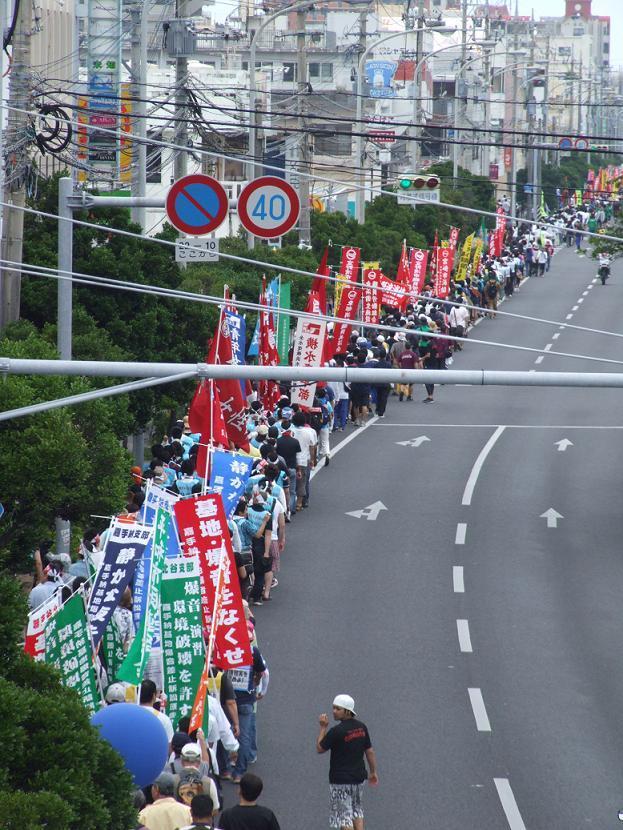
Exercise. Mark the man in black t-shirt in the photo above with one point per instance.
(349, 743)
(248, 815)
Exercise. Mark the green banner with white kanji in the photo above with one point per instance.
(133, 667)
(182, 636)
(283, 329)
(68, 649)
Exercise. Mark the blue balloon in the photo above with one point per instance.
(138, 736)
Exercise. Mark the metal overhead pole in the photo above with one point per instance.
(139, 15)
(304, 148)
(16, 142)
(486, 150)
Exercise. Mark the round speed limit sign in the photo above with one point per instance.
(268, 207)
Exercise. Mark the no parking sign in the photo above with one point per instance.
(268, 207)
(197, 204)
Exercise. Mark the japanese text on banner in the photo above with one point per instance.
(308, 351)
(229, 474)
(347, 309)
(67, 648)
(370, 298)
(203, 526)
(125, 546)
(34, 644)
(417, 270)
(445, 258)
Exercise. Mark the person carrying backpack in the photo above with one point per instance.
(492, 290)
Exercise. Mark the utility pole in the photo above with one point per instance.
(180, 164)
(487, 88)
(415, 144)
(139, 94)
(16, 142)
(304, 153)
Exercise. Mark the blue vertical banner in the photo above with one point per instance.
(124, 548)
(272, 298)
(228, 477)
(238, 332)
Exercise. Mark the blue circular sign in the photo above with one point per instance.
(197, 204)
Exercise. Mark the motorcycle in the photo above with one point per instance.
(604, 271)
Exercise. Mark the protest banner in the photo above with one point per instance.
(68, 649)
(370, 296)
(34, 642)
(445, 258)
(417, 271)
(229, 473)
(124, 547)
(466, 254)
(133, 667)
(308, 351)
(347, 310)
(182, 634)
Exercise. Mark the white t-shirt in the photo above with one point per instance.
(164, 720)
(306, 436)
(278, 510)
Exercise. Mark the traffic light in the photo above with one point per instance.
(599, 148)
(419, 181)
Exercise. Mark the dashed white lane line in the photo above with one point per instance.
(585, 293)
(548, 347)
(479, 710)
(575, 308)
(590, 286)
(509, 805)
(465, 641)
(461, 530)
(556, 335)
(539, 359)
(580, 300)
(458, 581)
(569, 317)
(473, 476)
(562, 328)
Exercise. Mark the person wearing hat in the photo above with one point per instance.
(349, 744)
(165, 813)
(115, 693)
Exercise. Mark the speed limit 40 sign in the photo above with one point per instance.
(268, 207)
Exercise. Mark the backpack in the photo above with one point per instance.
(492, 290)
(315, 418)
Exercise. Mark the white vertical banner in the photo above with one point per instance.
(308, 350)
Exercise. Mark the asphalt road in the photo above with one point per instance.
(481, 646)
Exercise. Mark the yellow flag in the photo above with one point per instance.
(466, 254)
(478, 243)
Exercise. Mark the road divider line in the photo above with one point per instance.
(581, 300)
(461, 530)
(465, 641)
(334, 450)
(575, 308)
(478, 708)
(589, 287)
(562, 328)
(569, 317)
(548, 347)
(556, 336)
(539, 359)
(584, 293)
(509, 805)
(458, 582)
(482, 457)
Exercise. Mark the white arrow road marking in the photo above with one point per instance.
(563, 444)
(371, 512)
(552, 517)
(414, 442)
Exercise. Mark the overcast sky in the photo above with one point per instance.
(556, 8)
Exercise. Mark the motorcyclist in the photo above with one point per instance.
(604, 267)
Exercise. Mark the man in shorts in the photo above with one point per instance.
(348, 742)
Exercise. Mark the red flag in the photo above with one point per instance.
(268, 354)
(313, 305)
(445, 258)
(403, 266)
(433, 262)
(371, 298)
(392, 293)
(349, 303)
(205, 416)
(319, 285)
(233, 403)
(417, 270)
(350, 263)
(454, 237)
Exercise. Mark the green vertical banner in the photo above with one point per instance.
(112, 646)
(283, 331)
(138, 654)
(68, 649)
(182, 637)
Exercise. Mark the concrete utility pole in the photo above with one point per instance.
(139, 94)
(304, 149)
(16, 142)
(180, 164)
(415, 144)
(486, 150)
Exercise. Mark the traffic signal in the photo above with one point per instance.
(419, 182)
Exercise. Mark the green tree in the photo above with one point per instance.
(65, 461)
(55, 771)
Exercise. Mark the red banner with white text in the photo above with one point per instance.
(350, 263)
(417, 270)
(347, 310)
(370, 298)
(445, 259)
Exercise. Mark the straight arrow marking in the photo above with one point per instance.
(552, 517)
(563, 444)
(414, 442)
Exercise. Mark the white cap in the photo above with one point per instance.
(191, 751)
(345, 702)
(115, 693)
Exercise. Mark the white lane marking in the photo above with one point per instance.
(458, 580)
(590, 286)
(595, 280)
(338, 447)
(569, 316)
(539, 359)
(548, 347)
(473, 476)
(584, 293)
(507, 426)
(461, 530)
(509, 805)
(478, 708)
(465, 641)
(556, 336)
(575, 308)
(581, 300)
(532, 370)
